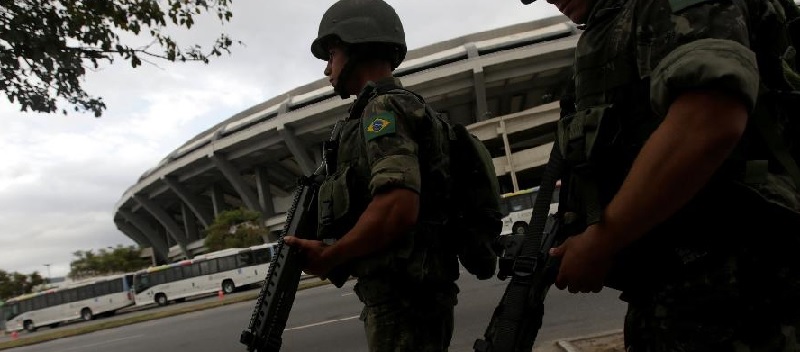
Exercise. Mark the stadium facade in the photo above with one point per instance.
(503, 84)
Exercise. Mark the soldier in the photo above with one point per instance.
(385, 193)
(673, 180)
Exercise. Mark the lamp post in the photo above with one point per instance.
(48, 273)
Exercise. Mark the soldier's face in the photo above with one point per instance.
(576, 10)
(336, 60)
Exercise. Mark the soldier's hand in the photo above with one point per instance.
(316, 262)
(585, 261)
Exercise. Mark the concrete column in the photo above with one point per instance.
(172, 228)
(481, 107)
(217, 199)
(159, 245)
(234, 176)
(298, 150)
(192, 201)
(264, 193)
(189, 224)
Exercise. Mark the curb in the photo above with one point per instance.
(605, 341)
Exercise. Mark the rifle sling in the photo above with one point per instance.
(508, 320)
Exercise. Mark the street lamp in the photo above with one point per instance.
(48, 273)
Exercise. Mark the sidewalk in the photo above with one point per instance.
(610, 341)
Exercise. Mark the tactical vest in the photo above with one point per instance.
(419, 256)
(602, 137)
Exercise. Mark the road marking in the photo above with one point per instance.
(83, 348)
(347, 294)
(321, 323)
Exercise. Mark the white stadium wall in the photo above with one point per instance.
(503, 84)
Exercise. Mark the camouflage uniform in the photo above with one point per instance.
(408, 290)
(722, 274)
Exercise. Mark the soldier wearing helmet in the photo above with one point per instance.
(385, 196)
(681, 201)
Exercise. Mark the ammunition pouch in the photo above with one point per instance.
(581, 136)
(335, 204)
(586, 140)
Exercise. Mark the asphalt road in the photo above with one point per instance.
(326, 319)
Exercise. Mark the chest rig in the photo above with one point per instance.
(609, 125)
(345, 195)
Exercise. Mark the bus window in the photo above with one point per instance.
(247, 258)
(204, 270)
(142, 283)
(213, 268)
(72, 294)
(227, 263)
(262, 255)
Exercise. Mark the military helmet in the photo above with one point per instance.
(361, 22)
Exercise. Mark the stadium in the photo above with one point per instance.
(503, 84)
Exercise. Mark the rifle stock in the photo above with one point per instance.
(517, 318)
(268, 321)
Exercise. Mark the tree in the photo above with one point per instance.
(15, 284)
(46, 46)
(235, 228)
(117, 260)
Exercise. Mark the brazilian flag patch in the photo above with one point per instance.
(380, 125)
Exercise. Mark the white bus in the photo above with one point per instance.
(225, 270)
(80, 300)
(517, 208)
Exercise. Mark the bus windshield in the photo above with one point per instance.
(10, 310)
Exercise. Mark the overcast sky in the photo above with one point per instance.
(62, 175)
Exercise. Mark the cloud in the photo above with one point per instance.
(62, 175)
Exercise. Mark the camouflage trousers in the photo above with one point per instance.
(403, 321)
(741, 296)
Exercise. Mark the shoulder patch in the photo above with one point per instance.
(680, 5)
(380, 124)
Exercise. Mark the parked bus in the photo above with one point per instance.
(226, 270)
(80, 300)
(517, 208)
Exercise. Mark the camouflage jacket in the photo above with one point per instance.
(389, 141)
(632, 60)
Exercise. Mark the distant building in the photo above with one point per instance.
(503, 84)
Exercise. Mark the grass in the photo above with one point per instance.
(80, 330)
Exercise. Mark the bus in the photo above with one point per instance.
(81, 300)
(517, 209)
(226, 270)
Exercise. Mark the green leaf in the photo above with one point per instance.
(57, 39)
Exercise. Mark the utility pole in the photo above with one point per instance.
(48, 273)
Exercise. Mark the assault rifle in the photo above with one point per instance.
(525, 258)
(268, 321)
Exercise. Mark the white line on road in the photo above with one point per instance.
(83, 348)
(322, 323)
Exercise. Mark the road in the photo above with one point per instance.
(326, 319)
